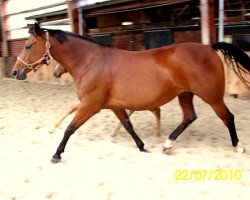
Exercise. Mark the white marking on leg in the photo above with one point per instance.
(168, 144)
(240, 148)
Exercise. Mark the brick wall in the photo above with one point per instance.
(187, 36)
(15, 46)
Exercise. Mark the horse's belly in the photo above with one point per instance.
(142, 98)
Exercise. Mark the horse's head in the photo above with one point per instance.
(35, 53)
(59, 71)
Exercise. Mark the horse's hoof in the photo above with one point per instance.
(52, 130)
(112, 134)
(56, 159)
(240, 148)
(144, 150)
(166, 150)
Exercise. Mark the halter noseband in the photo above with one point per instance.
(46, 57)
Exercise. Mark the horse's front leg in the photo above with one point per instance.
(120, 124)
(123, 117)
(84, 112)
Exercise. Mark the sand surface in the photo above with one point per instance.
(96, 166)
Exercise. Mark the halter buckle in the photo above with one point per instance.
(29, 66)
(48, 44)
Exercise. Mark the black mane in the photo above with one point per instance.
(61, 36)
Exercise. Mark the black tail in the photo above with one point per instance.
(236, 56)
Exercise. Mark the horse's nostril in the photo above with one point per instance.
(14, 72)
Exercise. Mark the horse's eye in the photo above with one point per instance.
(28, 47)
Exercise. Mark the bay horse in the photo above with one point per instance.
(110, 78)
(59, 71)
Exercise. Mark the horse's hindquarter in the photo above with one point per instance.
(199, 70)
(202, 69)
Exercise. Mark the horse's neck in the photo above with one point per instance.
(75, 55)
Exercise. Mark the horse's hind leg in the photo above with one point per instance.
(59, 122)
(157, 113)
(117, 128)
(123, 117)
(186, 103)
(228, 119)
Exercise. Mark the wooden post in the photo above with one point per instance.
(205, 38)
(212, 30)
(73, 16)
(221, 21)
(5, 50)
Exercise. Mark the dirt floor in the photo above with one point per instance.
(201, 165)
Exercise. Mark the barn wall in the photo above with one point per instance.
(15, 46)
(2, 67)
(187, 36)
(132, 42)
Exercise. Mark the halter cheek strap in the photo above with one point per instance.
(45, 58)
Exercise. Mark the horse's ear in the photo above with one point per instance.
(34, 29)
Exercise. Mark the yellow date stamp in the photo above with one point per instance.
(207, 175)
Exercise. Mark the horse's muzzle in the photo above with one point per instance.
(57, 75)
(19, 74)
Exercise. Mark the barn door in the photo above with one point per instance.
(105, 39)
(157, 38)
